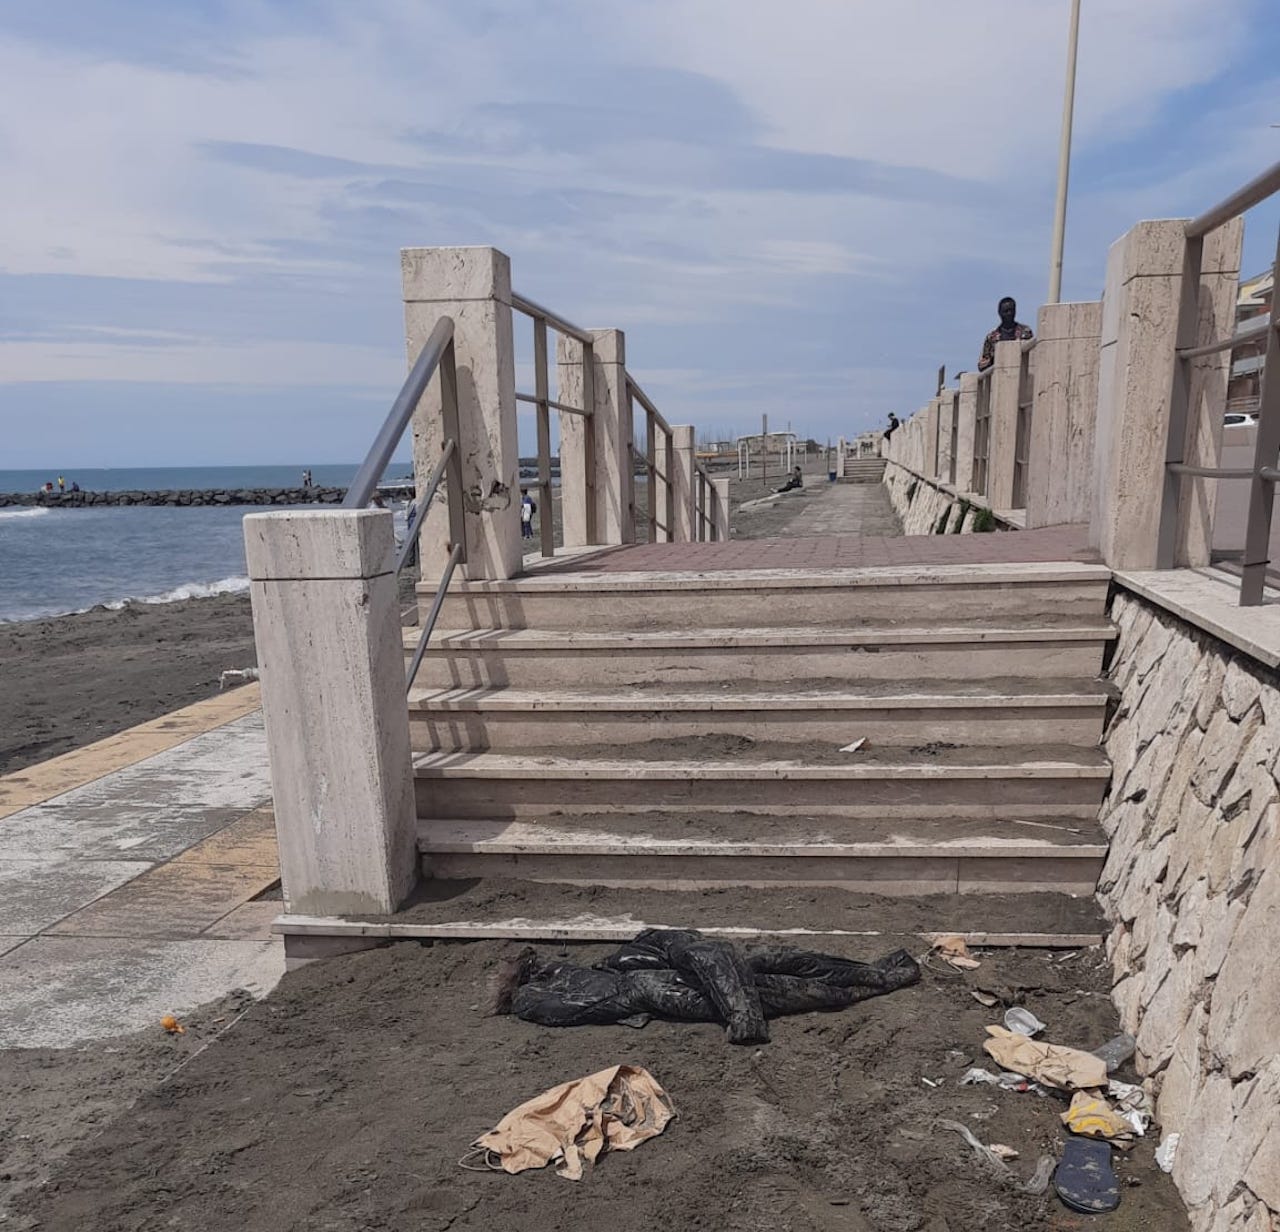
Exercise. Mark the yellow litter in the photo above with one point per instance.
(1092, 1117)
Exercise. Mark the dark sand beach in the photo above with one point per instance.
(70, 680)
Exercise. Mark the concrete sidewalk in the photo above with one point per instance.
(131, 876)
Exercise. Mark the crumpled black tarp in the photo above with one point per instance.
(678, 974)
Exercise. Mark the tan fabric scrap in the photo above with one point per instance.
(573, 1124)
(1068, 1069)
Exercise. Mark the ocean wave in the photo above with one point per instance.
(36, 511)
(188, 590)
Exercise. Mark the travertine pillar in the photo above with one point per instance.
(966, 419)
(596, 450)
(683, 492)
(326, 618)
(1006, 384)
(931, 415)
(946, 425)
(1060, 482)
(721, 512)
(1136, 371)
(473, 286)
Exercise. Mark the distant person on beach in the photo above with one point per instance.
(796, 481)
(1010, 329)
(62, 484)
(75, 487)
(306, 478)
(527, 509)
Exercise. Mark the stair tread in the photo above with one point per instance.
(511, 907)
(972, 762)
(742, 695)
(1042, 630)
(737, 834)
(566, 579)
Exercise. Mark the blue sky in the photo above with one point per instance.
(799, 210)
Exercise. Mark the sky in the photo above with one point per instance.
(797, 210)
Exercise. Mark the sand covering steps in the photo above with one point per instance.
(680, 735)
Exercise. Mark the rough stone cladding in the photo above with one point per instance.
(1192, 886)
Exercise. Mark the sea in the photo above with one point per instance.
(54, 562)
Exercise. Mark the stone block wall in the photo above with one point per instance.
(1192, 885)
(922, 503)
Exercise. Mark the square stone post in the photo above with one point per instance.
(326, 618)
(1006, 387)
(720, 515)
(473, 286)
(931, 414)
(966, 420)
(946, 422)
(1064, 411)
(596, 468)
(1146, 283)
(683, 491)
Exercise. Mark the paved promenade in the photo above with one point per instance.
(131, 873)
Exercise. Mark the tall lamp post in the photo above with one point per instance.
(1064, 160)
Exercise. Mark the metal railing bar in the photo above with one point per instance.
(1029, 344)
(533, 309)
(1257, 328)
(644, 400)
(546, 526)
(1212, 472)
(432, 616)
(554, 405)
(423, 504)
(384, 445)
(1256, 190)
(1269, 474)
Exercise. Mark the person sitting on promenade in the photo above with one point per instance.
(1010, 329)
(795, 481)
(894, 425)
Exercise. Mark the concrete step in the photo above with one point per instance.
(946, 595)
(912, 857)
(888, 714)
(1029, 783)
(525, 658)
(814, 917)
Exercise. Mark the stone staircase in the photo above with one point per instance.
(863, 470)
(684, 731)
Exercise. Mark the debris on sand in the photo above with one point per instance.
(575, 1123)
(681, 976)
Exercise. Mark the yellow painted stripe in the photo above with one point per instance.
(41, 782)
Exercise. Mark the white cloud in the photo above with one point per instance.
(108, 172)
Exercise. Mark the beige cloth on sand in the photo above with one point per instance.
(574, 1124)
(1068, 1069)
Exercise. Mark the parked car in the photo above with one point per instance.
(1240, 419)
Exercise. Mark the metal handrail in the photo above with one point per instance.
(423, 502)
(1254, 192)
(1267, 442)
(645, 401)
(456, 554)
(531, 308)
(1028, 344)
(384, 445)
(1255, 328)
(554, 405)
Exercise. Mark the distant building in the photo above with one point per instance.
(1245, 385)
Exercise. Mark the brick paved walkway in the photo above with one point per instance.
(1055, 543)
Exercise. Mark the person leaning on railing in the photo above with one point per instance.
(1009, 330)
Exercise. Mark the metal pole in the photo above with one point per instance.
(1064, 160)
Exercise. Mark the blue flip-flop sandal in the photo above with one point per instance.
(1084, 1179)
